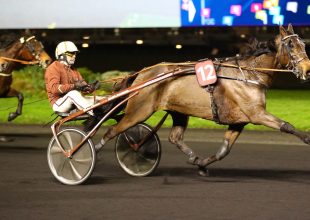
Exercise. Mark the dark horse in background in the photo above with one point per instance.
(15, 50)
(239, 95)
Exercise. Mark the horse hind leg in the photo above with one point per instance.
(129, 119)
(20, 97)
(230, 138)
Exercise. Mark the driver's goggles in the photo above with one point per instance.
(71, 54)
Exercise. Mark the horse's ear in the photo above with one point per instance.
(290, 28)
(282, 31)
(28, 32)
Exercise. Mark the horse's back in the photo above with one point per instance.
(179, 93)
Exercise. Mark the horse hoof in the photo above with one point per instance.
(5, 139)
(203, 172)
(193, 160)
(306, 140)
(12, 116)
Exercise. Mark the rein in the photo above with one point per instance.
(20, 61)
(116, 79)
(252, 68)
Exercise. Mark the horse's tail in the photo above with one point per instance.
(123, 84)
(104, 109)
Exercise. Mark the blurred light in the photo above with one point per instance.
(139, 41)
(116, 31)
(43, 34)
(51, 25)
(214, 51)
(178, 46)
(86, 37)
(85, 45)
(242, 35)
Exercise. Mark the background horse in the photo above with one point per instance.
(25, 50)
(238, 97)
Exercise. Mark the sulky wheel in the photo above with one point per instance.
(144, 160)
(74, 170)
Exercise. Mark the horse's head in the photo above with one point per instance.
(33, 50)
(291, 53)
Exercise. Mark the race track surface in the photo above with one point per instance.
(266, 176)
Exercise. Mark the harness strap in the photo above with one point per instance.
(243, 80)
(289, 36)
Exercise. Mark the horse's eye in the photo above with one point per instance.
(290, 44)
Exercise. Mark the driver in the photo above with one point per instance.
(64, 83)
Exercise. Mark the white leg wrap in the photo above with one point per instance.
(100, 144)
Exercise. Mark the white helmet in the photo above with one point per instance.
(65, 46)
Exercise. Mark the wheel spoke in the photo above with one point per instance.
(61, 167)
(86, 160)
(75, 172)
(56, 149)
(68, 138)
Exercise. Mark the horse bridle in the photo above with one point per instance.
(31, 47)
(294, 59)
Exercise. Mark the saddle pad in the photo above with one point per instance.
(205, 73)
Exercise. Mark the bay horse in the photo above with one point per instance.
(238, 97)
(24, 50)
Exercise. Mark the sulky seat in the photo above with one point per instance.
(66, 114)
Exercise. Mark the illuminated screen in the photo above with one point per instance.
(244, 12)
(148, 14)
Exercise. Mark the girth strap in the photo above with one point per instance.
(210, 90)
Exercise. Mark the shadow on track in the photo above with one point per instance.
(239, 175)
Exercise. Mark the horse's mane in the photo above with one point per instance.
(8, 39)
(257, 48)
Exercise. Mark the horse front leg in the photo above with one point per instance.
(230, 138)
(271, 121)
(290, 129)
(20, 97)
